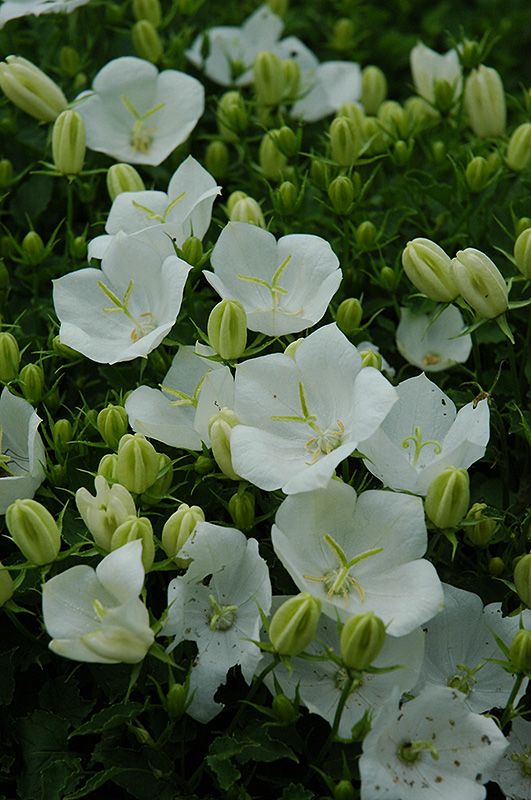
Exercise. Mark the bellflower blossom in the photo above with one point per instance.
(284, 286)
(433, 344)
(13, 9)
(138, 115)
(22, 454)
(125, 309)
(360, 554)
(160, 218)
(512, 773)
(303, 413)
(429, 67)
(423, 434)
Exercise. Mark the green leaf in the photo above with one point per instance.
(93, 783)
(64, 699)
(296, 791)
(110, 718)
(50, 771)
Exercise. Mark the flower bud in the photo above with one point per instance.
(284, 710)
(112, 424)
(204, 465)
(107, 467)
(31, 381)
(484, 528)
(30, 89)
(401, 152)
(343, 790)
(470, 53)
(366, 234)
(477, 174)
(349, 314)
(393, 119)
(247, 210)
(130, 530)
(219, 430)
(522, 253)
(268, 79)
(287, 198)
(278, 7)
(480, 283)
(272, 161)
(63, 350)
(34, 531)
(521, 224)
(176, 700)
(341, 194)
(9, 357)
(231, 116)
(485, 102)
(217, 159)
(388, 278)
(6, 172)
(69, 60)
(354, 113)
(429, 269)
(146, 41)
(292, 77)
(448, 497)
(374, 138)
(106, 511)
(522, 579)
(319, 173)
(78, 248)
(137, 464)
(241, 509)
(7, 585)
(371, 358)
(62, 433)
(123, 178)
(496, 566)
(192, 250)
(227, 329)
(179, 527)
(373, 89)
(518, 155)
(343, 35)
(344, 141)
(147, 9)
(520, 651)
(69, 143)
(162, 485)
(294, 624)
(33, 247)
(362, 638)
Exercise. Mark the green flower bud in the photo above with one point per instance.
(80, 82)
(179, 527)
(345, 141)
(30, 89)
(341, 194)
(62, 433)
(349, 314)
(484, 528)
(402, 151)
(123, 178)
(362, 638)
(132, 529)
(480, 283)
(63, 350)
(78, 248)
(247, 210)
(343, 35)
(522, 253)
(319, 173)
(354, 113)
(69, 60)
(393, 119)
(287, 198)
(477, 174)
(520, 651)
(485, 102)
(204, 465)
(219, 429)
(496, 566)
(112, 424)
(233, 198)
(470, 54)
(31, 381)
(366, 234)
(278, 7)
(294, 624)
(374, 138)
(438, 149)
(227, 329)
(344, 791)
(448, 497)
(217, 159)
(444, 95)
(429, 269)
(162, 485)
(7, 585)
(241, 509)
(370, 358)
(6, 172)
(137, 463)
(147, 9)
(176, 700)
(231, 116)
(521, 225)
(34, 531)
(518, 155)
(522, 579)
(268, 79)
(420, 114)
(33, 247)
(284, 710)
(286, 141)
(146, 41)
(192, 250)
(373, 89)
(272, 161)
(9, 357)
(389, 279)
(292, 77)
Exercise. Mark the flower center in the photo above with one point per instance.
(162, 218)
(142, 324)
(339, 581)
(415, 440)
(430, 359)
(181, 398)
(5, 470)
(274, 287)
(464, 680)
(221, 617)
(341, 678)
(524, 760)
(409, 752)
(142, 135)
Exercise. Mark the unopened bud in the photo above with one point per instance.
(33, 247)
(247, 210)
(132, 529)
(448, 497)
(7, 585)
(31, 381)
(402, 151)
(393, 119)
(522, 579)
(217, 158)
(319, 173)
(373, 89)
(484, 528)
(470, 53)
(231, 116)
(123, 178)
(344, 791)
(78, 247)
(371, 358)
(34, 531)
(496, 566)
(112, 424)
(107, 467)
(62, 433)
(268, 79)
(284, 710)
(148, 9)
(179, 527)
(9, 357)
(366, 234)
(227, 329)
(294, 624)
(30, 89)
(241, 509)
(192, 250)
(292, 77)
(204, 465)
(343, 35)
(176, 700)
(477, 174)
(219, 430)
(146, 41)
(362, 638)
(278, 7)
(137, 464)
(341, 194)
(69, 60)
(162, 485)
(480, 283)
(389, 279)
(344, 141)
(272, 161)
(349, 314)
(429, 269)
(520, 651)
(63, 350)
(518, 155)
(287, 198)
(6, 172)
(485, 102)
(522, 253)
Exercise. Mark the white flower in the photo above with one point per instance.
(513, 771)
(105, 511)
(223, 616)
(193, 390)
(432, 748)
(433, 343)
(125, 309)
(13, 9)
(138, 115)
(303, 413)
(428, 67)
(360, 554)
(159, 218)
(459, 643)
(232, 50)
(22, 454)
(320, 683)
(96, 615)
(422, 435)
(284, 286)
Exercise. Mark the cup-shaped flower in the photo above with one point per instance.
(284, 286)
(13, 9)
(429, 269)
(294, 624)
(232, 50)
(30, 88)
(432, 746)
(485, 102)
(125, 309)
(221, 616)
(433, 342)
(423, 435)
(303, 413)
(480, 282)
(22, 454)
(103, 512)
(96, 615)
(138, 115)
(360, 554)
(158, 218)
(512, 770)
(429, 69)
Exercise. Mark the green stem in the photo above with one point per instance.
(508, 711)
(69, 214)
(347, 688)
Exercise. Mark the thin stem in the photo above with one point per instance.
(508, 711)
(347, 688)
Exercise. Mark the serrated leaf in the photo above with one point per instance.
(49, 769)
(109, 718)
(93, 783)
